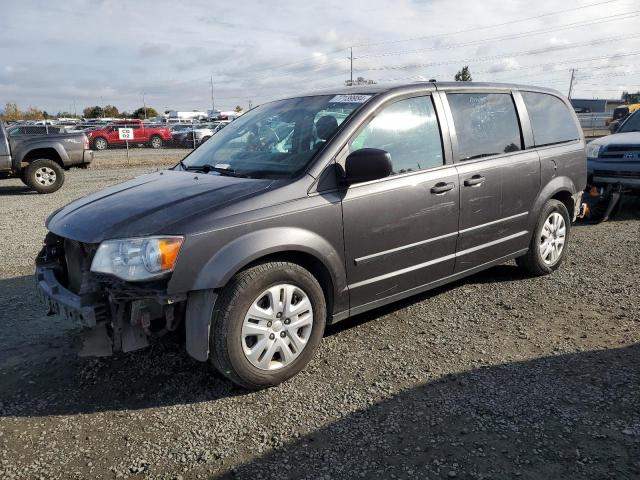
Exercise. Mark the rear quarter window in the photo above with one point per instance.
(551, 120)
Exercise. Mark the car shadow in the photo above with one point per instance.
(38, 359)
(565, 416)
(41, 374)
(12, 190)
(500, 273)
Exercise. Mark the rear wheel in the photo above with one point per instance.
(267, 324)
(155, 142)
(100, 143)
(44, 175)
(548, 245)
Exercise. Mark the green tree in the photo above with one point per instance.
(93, 112)
(139, 112)
(463, 75)
(631, 97)
(238, 109)
(111, 111)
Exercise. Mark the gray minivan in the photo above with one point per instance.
(308, 210)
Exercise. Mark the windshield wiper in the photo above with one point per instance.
(183, 165)
(207, 167)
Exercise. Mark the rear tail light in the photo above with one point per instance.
(85, 142)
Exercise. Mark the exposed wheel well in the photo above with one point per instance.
(565, 197)
(309, 262)
(49, 153)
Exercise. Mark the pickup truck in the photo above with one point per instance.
(154, 137)
(40, 160)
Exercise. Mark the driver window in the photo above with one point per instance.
(409, 131)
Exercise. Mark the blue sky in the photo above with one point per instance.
(91, 52)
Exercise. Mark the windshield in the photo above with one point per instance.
(277, 139)
(632, 124)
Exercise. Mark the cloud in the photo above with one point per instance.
(255, 50)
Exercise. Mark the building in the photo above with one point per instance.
(176, 115)
(596, 105)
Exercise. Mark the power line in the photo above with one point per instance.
(585, 23)
(485, 27)
(505, 55)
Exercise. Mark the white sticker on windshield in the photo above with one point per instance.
(350, 98)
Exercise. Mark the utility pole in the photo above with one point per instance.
(75, 111)
(144, 105)
(351, 62)
(573, 74)
(213, 105)
(250, 104)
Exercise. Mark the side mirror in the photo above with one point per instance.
(367, 164)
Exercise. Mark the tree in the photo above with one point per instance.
(140, 112)
(33, 113)
(238, 109)
(631, 97)
(110, 111)
(93, 112)
(359, 81)
(11, 112)
(463, 75)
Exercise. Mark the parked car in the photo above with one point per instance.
(154, 137)
(198, 134)
(255, 241)
(620, 114)
(615, 159)
(40, 160)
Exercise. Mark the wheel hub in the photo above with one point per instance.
(277, 327)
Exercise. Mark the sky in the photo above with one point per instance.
(61, 56)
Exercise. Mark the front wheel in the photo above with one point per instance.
(267, 324)
(43, 175)
(156, 142)
(549, 242)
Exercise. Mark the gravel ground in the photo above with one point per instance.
(499, 376)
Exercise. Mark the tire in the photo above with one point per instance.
(232, 325)
(539, 260)
(23, 176)
(100, 143)
(44, 175)
(204, 139)
(155, 142)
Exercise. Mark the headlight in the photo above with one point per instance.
(593, 150)
(135, 259)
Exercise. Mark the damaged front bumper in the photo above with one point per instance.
(116, 316)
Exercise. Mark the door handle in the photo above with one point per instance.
(475, 180)
(442, 187)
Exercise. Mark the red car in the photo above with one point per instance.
(154, 137)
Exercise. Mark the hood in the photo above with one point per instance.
(629, 138)
(147, 204)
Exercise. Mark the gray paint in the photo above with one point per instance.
(67, 147)
(379, 241)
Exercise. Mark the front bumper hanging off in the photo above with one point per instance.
(113, 320)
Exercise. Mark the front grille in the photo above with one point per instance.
(619, 151)
(620, 174)
(623, 148)
(77, 263)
